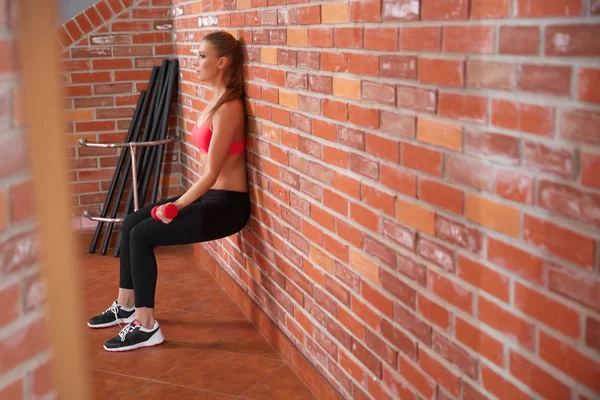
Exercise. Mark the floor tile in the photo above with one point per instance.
(283, 384)
(218, 304)
(162, 391)
(247, 340)
(146, 363)
(222, 372)
(111, 386)
(199, 330)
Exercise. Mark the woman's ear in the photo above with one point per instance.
(222, 62)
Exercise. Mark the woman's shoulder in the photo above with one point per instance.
(231, 109)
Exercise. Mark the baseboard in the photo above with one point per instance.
(315, 381)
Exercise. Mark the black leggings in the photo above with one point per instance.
(215, 215)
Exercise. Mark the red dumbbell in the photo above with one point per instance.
(170, 211)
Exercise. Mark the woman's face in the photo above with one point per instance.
(207, 62)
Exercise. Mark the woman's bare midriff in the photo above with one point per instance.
(233, 174)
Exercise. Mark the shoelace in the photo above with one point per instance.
(128, 328)
(114, 308)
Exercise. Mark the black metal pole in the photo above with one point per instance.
(164, 129)
(160, 133)
(131, 135)
(149, 130)
(148, 106)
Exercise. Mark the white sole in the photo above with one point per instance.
(107, 325)
(155, 340)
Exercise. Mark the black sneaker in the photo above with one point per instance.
(134, 336)
(115, 314)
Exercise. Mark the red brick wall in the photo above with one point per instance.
(24, 348)
(108, 54)
(425, 186)
(424, 177)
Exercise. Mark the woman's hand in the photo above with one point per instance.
(161, 215)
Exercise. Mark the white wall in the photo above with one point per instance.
(70, 8)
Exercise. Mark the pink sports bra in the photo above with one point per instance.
(202, 135)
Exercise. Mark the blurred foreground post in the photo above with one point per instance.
(47, 141)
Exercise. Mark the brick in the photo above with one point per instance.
(490, 9)
(496, 216)
(320, 37)
(13, 390)
(398, 67)
(444, 10)
(363, 64)
(529, 118)
(416, 216)
(380, 93)
(397, 288)
(437, 254)
(308, 59)
(454, 354)
(489, 75)
(397, 124)
(348, 88)
(587, 80)
(580, 126)
(480, 342)
(367, 117)
(443, 72)
(10, 297)
(434, 312)
(495, 147)
(553, 80)
(413, 324)
(569, 201)
(363, 166)
(383, 148)
(398, 179)
(399, 339)
(420, 38)
(578, 286)
(31, 341)
(463, 107)
(349, 233)
(21, 200)
(351, 367)
(425, 385)
(416, 98)
(590, 164)
(441, 195)
(381, 39)
(335, 13)
(296, 38)
(310, 15)
(592, 333)
(439, 372)
(572, 40)
(364, 266)
(365, 11)
(346, 184)
(334, 62)
(484, 278)
(514, 186)
(337, 249)
(469, 39)
(320, 84)
(519, 40)
(581, 367)
(537, 379)
(499, 386)
(510, 325)
(421, 158)
(335, 110)
(516, 260)
(348, 38)
(440, 134)
(562, 242)
(459, 234)
(469, 172)
(540, 8)
(376, 299)
(536, 304)
(365, 217)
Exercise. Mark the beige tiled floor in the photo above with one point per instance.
(211, 352)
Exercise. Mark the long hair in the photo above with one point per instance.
(228, 46)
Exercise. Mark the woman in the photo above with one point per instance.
(216, 206)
